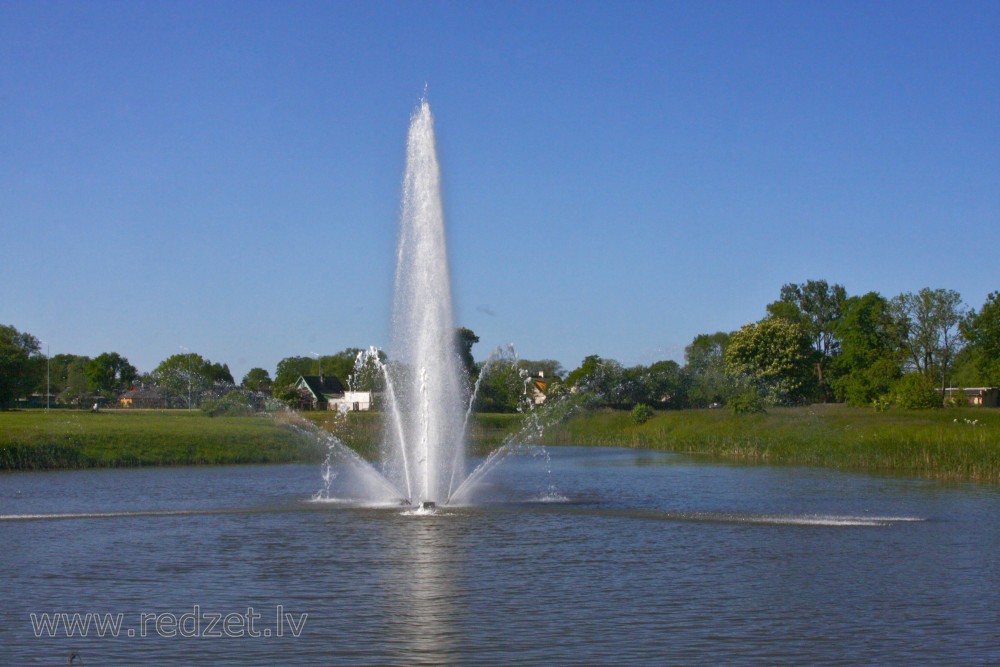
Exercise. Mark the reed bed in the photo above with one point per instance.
(947, 444)
(39, 440)
(952, 444)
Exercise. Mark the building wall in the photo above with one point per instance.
(351, 401)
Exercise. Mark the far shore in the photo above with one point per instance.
(943, 444)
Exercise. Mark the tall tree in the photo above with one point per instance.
(663, 384)
(256, 379)
(20, 370)
(339, 365)
(587, 369)
(290, 368)
(704, 366)
(368, 373)
(59, 370)
(464, 340)
(185, 377)
(604, 378)
(870, 350)
(503, 387)
(110, 373)
(76, 389)
(817, 306)
(775, 357)
(930, 320)
(982, 331)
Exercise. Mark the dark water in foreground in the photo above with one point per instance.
(598, 556)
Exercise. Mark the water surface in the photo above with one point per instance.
(596, 556)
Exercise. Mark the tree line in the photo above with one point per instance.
(817, 344)
(814, 344)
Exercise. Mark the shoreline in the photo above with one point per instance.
(946, 444)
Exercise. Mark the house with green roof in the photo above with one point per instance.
(319, 392)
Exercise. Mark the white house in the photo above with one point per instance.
(327, 393)
(351, 401)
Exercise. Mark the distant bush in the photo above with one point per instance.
(642, 413)
(233, 404)
(915, 391)
(864, 386)
(747, 402)
(882, 404)
(957, 400)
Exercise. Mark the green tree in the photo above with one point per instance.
(661, 384)
(915, 391)
(982, 331)
(59, 370)
(184, 378)
(587, 369)
(110, 374)
(704, 368)
(605, 379)
(464, 340)
(929, 320)
(368, 373)
(339, 365)
(20, 370)
(76, 389)
(816, 306)
(290, 368)
(665, 385)
(775, 357)
(256, 379)
(502, 387)
(870, 358)
(220, 374)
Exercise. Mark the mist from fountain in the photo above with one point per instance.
(424, 445)
(426, 401)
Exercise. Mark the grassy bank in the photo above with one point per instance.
(39, 440)
(362, 431)
(939, 444)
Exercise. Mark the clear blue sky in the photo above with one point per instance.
(619, 176)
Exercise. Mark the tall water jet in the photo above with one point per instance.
(424, 439)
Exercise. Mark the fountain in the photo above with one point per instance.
(423, 451)
(427, 401)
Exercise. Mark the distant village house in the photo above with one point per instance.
(539, 388)
(980, 397)
(143, 397)
(320, 392)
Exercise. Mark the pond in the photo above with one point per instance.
(574, 555)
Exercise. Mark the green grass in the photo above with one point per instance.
(938, 444)
(39, 440)
(362, 431)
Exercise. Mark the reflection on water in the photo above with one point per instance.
(425, 625)
(597, 557)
